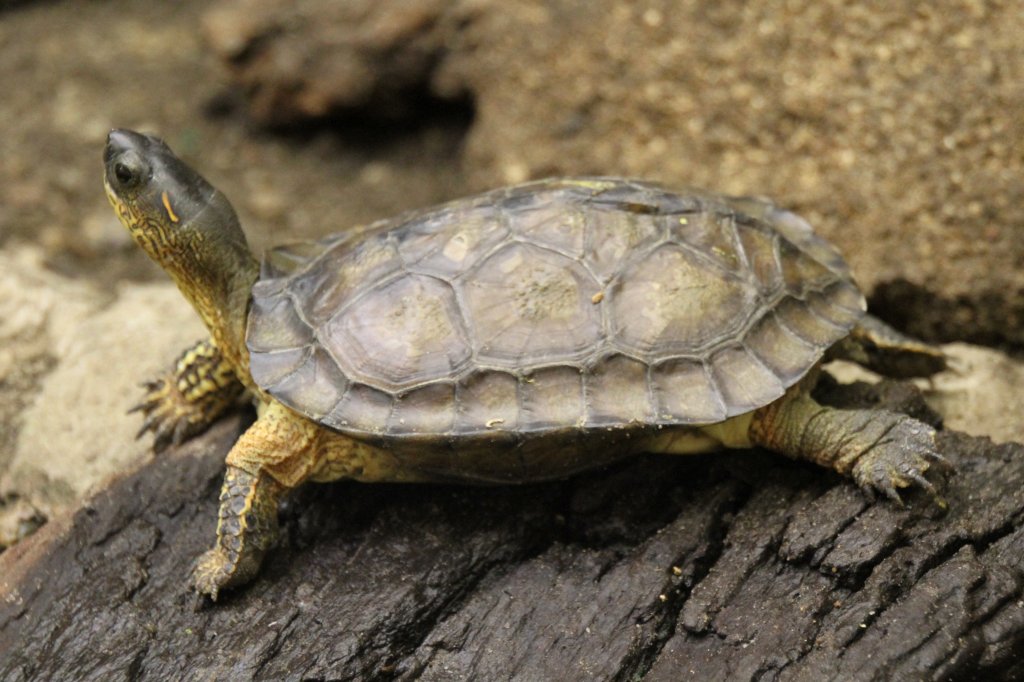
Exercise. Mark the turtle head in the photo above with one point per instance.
(184, 224)
(172, 212)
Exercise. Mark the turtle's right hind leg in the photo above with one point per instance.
(877, 346)
(882, 451)
(186, 400)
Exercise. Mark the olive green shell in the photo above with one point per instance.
(588, 303)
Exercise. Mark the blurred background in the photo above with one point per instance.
(894, 128)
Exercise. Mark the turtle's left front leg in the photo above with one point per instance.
(186, 400)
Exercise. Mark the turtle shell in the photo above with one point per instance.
(574, 304)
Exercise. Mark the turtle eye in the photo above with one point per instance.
(125, 175)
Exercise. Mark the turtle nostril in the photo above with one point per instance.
(120, 141)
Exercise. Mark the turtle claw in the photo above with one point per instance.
(211, 573)
(899, 459)
(146, 426)
(180, 433)
(186, 400)
(940, 461)
(169, 415)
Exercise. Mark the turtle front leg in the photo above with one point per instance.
(246, 529)
(882, 451)
(186, 400)
(277, 453)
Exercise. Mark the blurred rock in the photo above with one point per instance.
(71, 359)
(308, 59)
(35, 306)
(896, 133)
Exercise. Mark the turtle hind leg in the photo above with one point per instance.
(877, 346)
(186, 400)
(882, 451)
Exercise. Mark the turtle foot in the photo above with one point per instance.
(186, 400)
(222, 568)
(168, 414)
(899, 459)
(211, 574)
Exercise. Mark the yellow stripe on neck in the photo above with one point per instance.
(167, 205)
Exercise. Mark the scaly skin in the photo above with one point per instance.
(882, 451)
(277, 453)
(189, 398)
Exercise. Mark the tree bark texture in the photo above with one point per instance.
(732, 566)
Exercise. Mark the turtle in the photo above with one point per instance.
(523, 334)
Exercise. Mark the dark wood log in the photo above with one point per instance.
(733, 566)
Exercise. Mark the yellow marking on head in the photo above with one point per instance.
(167, 205)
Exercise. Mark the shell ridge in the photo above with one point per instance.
(716, 392)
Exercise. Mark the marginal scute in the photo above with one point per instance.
(430, 409)
(684, 393)
(626, 196)
(402, 333)
(274, 324)
(551, 397)
(829, 305)
(743, 381)
(845, 294)
(285, 260)
(797, 230)
(672, 302)
(271, 367)
(801, 272)
(527, 305)
(761, 249)
(315, 387)
(487, 402)
(797, 318)
(616, 391)
(665, 200)
(362, 409)
(779, 349)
